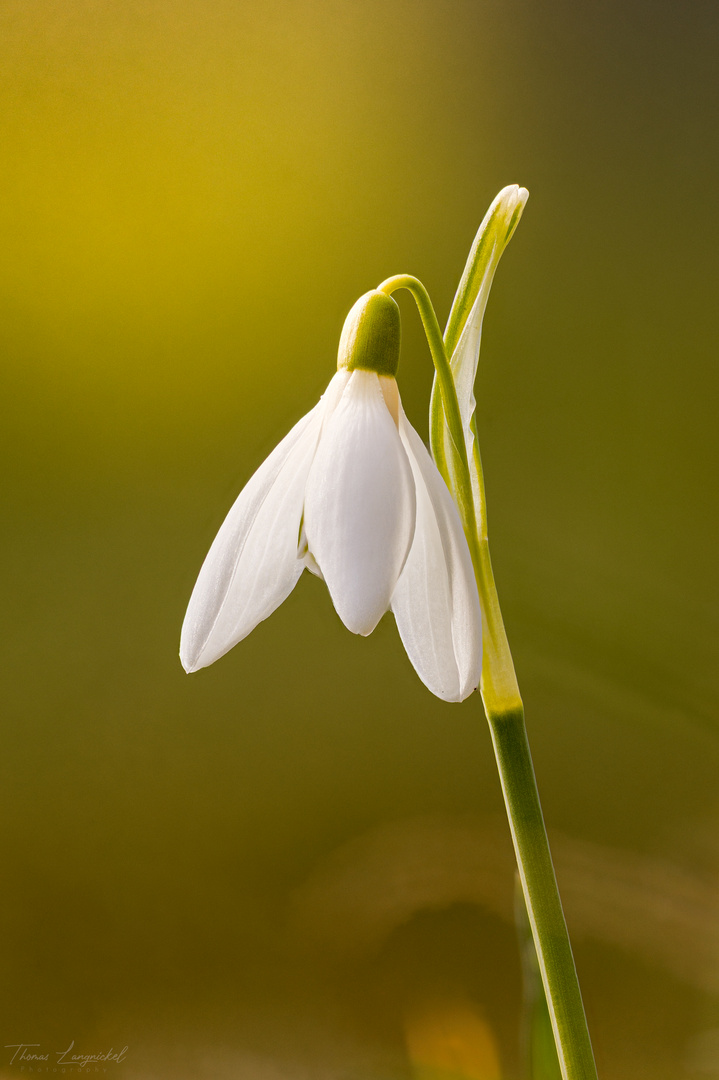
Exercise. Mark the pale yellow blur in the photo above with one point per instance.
(450, 1040)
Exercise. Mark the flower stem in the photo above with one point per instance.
(503, 705)
(505, 713)
(541, 895)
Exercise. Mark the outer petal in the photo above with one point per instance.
(436, 604)
(360, 504)
(253, 563)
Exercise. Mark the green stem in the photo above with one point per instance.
(505, 714)
(539, 885)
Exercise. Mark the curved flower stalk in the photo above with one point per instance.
(351, 494)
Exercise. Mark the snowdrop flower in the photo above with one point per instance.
(352, 494)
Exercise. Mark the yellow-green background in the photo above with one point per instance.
(192, 196)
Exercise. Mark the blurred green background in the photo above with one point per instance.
(294, 863)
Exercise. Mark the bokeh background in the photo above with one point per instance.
(294, 864)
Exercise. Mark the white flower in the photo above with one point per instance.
(352, 494)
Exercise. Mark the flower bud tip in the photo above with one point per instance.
(371, 335)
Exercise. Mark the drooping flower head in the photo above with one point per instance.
(351, 494)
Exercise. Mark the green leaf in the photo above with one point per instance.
(463, 335)
(537, 1038)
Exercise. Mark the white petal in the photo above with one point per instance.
(436, 604)
(360, 505)
(253, 563)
